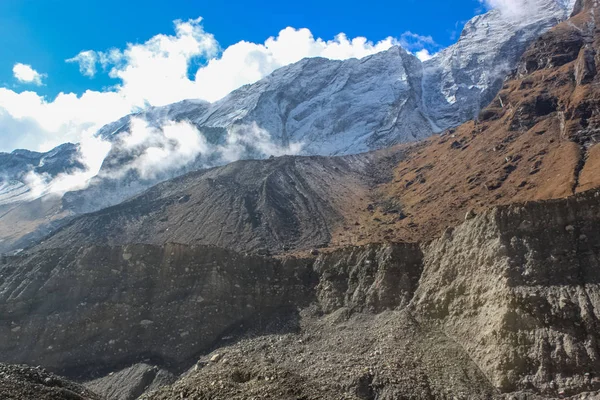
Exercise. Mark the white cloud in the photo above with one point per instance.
(25, 74)
(243, 140)
(514, 8)
(159, 152)
(424, 55)
(177, 145)
(92, 152)
(174, 145)
(87, 61)
(156, 73)
(38, 124)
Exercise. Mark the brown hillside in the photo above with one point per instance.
(537, 140)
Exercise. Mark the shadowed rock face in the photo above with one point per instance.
(99, 306)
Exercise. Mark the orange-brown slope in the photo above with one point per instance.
(537, 140)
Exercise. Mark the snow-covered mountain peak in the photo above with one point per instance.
(463, 78)
(320, 106)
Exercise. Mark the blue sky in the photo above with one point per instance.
(44, 33)
(127, 55)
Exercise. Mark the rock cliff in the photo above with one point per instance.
(510, 295)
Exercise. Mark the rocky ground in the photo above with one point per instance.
(18, 382)
(340, 356)
(131, 383)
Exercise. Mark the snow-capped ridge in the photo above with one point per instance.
(332, 107)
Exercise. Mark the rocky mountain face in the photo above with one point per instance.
(506, 302)
(536, 140)
(524, 305)
(329, 107)
(15, 166)
(332, 107)
(464, 78)
(347, 107)
(278, 205)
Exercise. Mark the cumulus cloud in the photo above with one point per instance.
(168, 57)
(424, 55)
(25, 74)
(158, 150)
(30, 121)
(157, 72)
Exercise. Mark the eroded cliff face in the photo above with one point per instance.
(371, 278)
(517, 287)
(102, 306)
(511, 296)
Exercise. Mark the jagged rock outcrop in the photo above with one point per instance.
(518, 288)
(387, 98)
(374, 278)
(465, 77)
